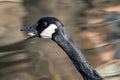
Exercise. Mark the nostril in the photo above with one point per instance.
(30, 27)
(21, 29)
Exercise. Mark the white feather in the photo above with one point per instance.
(47, 33)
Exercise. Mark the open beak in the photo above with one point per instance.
(31, 31)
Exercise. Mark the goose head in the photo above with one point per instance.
(46, 27)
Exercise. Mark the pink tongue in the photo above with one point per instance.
(31, 34)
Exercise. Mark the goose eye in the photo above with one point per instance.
(44, 24)
(37, 24)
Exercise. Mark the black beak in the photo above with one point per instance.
(29, 28)
(32, 31)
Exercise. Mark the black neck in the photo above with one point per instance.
(76, 56)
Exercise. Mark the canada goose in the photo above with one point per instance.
(50, 27)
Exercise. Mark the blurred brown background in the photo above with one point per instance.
(87, 22)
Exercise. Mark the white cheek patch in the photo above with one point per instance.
(47, 33)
